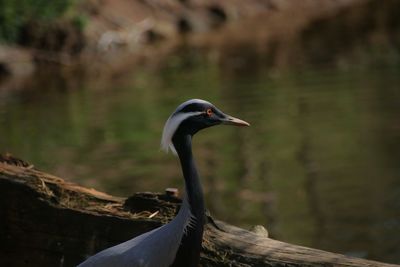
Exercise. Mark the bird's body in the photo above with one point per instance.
(146, 250)
(177, 243)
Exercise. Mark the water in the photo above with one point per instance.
(318, 167)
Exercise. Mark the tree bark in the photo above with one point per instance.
(47, 221)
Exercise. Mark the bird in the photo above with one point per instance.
(177, 243)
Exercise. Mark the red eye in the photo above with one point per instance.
(209, 112)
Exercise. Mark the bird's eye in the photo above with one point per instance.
(209, 112)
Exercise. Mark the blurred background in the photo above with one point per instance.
(86, 86)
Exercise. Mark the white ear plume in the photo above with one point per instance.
(170, 127)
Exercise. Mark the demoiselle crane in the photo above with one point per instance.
(177, 243)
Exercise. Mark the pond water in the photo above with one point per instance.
(320, 165)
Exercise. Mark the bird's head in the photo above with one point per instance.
(192, 116)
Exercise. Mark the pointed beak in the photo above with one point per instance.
(229, 120)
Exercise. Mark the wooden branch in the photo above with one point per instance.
(47, 221)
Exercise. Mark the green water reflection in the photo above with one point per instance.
(320, 165)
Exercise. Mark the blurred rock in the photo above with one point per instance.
(119, 34)
(259, 230)
(292, 34)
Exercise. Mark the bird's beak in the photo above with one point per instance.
(229, 120)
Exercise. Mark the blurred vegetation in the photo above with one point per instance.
(16, 15)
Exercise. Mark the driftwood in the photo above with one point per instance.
(46, 221)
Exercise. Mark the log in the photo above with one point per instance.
(47, 221)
